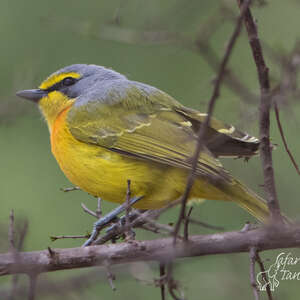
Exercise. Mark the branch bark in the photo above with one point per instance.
(264, 114)
(205, 125)
(162, 250)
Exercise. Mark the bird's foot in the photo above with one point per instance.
(108, 218)
(129, 232)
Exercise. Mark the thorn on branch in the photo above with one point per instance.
(53, 256)
(246, 227)
(51, 252)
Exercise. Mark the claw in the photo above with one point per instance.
(102, 222)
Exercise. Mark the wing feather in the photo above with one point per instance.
(144, 124)
(222, 139)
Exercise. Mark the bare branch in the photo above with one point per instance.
(110, 276)
(252, 254)
(264, 275)
(284, 139)
(186, 225)
(129, 232)
(206, 123)
(99, 209)
(32, 286)
(60, 237)
(162, 273)
(153, 250)
(23, 228)
(172, 283)
(11, 231)
(205, 225)
(264, 113)
(87, 210)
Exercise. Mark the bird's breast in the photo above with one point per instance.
(104, 173)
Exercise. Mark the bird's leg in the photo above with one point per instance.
(103, 221)
(122, 221)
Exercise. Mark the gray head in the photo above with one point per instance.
(73, 81)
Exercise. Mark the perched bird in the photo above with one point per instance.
(106, 129)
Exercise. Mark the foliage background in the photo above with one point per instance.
(39, 37)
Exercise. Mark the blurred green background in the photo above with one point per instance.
(39, 37)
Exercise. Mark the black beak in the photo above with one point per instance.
(33, 95)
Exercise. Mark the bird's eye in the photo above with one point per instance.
(69, 81)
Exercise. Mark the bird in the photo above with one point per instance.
(106, 129)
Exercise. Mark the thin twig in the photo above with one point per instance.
(264, 275)
(252, 254)
(128, 208)
(172, 284)
(149, 220)
(205, 225)
(59, 237)
(284, 139)
(32, 286)
(186, 225)
(148, 227)
(11, 231)
(129, 232)
(90, 212)
(162, 274)
(71, 189)
(206, 123)
(110, 276)
(108, 219)
(147, 217)
(99, 209)
(15, 277)
(139, 220)
(264, 113)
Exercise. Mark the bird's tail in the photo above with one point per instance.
(249, 201)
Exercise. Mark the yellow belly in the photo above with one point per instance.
(104, 173)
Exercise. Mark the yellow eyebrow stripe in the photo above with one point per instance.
(55, 78)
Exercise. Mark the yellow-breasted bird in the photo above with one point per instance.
(106, 129)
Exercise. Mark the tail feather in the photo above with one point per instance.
(250, 201)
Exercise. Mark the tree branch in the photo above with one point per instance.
(284, 139)
(205, 125)
(252, 254)
(264, 114)
(161, 250)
